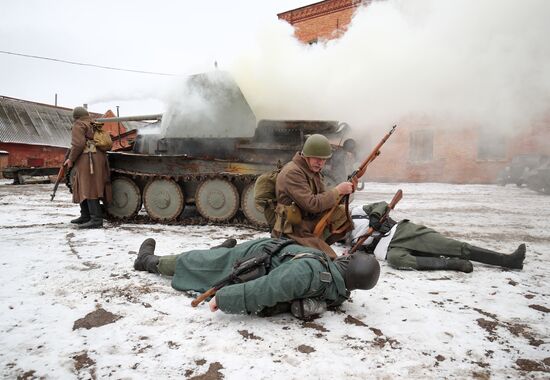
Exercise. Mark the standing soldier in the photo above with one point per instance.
(302, 198)
(91, 181)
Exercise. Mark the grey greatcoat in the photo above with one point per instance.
(405, 240)
(291, 276)
(85, 184)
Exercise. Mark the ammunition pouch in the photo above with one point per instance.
(290, 214)
(287, 217)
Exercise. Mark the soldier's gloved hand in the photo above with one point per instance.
(374, 222)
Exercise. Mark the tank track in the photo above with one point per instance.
(195, 219)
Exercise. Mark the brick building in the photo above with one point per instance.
(423, 151)
(322, 20)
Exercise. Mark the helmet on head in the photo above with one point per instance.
(317, 146)
(79, 112)
(349, 145)
(360, 271)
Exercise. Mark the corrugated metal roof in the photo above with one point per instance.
(34, 123)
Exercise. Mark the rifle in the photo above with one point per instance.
(60, 175)
(396, 198)
(243, 271)
(353, 178)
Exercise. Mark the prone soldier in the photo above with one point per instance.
(299, 279)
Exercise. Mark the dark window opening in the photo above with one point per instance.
(491, 146)
(421, 145)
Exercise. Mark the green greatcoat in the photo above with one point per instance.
(412, 240)
(288, 279)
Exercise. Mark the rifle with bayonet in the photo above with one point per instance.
(60, 175)
(353, 178)
(396, 198)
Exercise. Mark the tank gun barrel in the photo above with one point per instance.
(129, 118)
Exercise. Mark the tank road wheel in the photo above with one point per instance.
(163, 199)
(252, 213)
(217, 199)
(126, 198)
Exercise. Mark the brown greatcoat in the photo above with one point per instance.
(297, 184)
(85, 184)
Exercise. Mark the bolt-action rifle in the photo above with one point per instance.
(396, 198)
(60, 175)
(246, 270)
(353, 178)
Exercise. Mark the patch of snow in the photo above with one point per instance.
(489, 323)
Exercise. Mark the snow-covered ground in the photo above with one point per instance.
(491, 323)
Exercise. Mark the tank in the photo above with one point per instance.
(197, 164)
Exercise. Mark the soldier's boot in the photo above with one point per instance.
(485, 256)
(96, 215)
(84, 214)
(440, 263)
(228, 243)
(146, 260)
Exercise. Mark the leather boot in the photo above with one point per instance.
(84, 214)
(228, 243)
(485, 256)
(96, 215)
(439, 263)
(146, 260)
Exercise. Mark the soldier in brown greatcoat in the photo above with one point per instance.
(302, 199)
(91, 181)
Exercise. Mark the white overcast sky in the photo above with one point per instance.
(179, 37)
(467, 62)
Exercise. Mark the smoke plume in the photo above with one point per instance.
(469, 62)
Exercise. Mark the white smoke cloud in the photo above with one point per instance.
(475, 62)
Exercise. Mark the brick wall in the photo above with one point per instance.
(324, 20)
(26, 155)
(455, 154)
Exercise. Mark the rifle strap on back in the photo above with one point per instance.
(275, 245)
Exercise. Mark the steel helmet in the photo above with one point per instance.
(317, 146)
(79, 112)
(360, 271)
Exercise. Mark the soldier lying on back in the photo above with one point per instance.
(406, 245)
(299, 277)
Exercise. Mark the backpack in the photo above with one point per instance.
(102, 139)
(264, 194)
(264, 189)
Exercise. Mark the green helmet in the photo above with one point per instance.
(317, 146)
(79, 112)
(360, 270)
